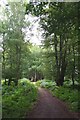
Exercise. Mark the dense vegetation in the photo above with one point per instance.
(18, 100)
(60, 24)
(65, 93)
(55, 59)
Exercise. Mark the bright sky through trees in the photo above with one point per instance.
(33, 33)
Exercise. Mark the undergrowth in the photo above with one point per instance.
(18, 100)
(66, 93)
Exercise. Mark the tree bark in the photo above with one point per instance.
(60, 61)
(56, 57)
(64, 64)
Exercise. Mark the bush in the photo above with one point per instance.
(18, 100)
(45, 83)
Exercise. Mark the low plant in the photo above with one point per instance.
(18, 100)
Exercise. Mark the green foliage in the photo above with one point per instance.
(45, 83)
(59, 21)
(56, 59)
(18, 100)
(67, 93)
(33, 62)
(13, 40)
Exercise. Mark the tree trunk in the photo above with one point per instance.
(16, 82)
(56, 52)
(61, 68)
(73, 69)
(3, 63)
(60, 56)
(62, 73)
(9, 81)
(35, 79)
(18, 63)
(56, 57)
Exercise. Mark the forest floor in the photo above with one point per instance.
(50, 107)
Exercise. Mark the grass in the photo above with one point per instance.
(18, 100)
(66, 93)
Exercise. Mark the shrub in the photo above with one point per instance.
(18, 100)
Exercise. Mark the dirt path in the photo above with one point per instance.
(49, 107)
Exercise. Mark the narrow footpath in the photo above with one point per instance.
(49, 107)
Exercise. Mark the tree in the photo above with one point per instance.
(13, 41)
(33, 68)
(59, 22)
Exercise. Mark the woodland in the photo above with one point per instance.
(53, 65)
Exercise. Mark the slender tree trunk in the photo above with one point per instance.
(56, 52)
(3, 64)
(10, 74)
(56, 57)
(73, 70)
(18, 63)
(62, 73)
(35, 76)
(60, 56)
(63, 66)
